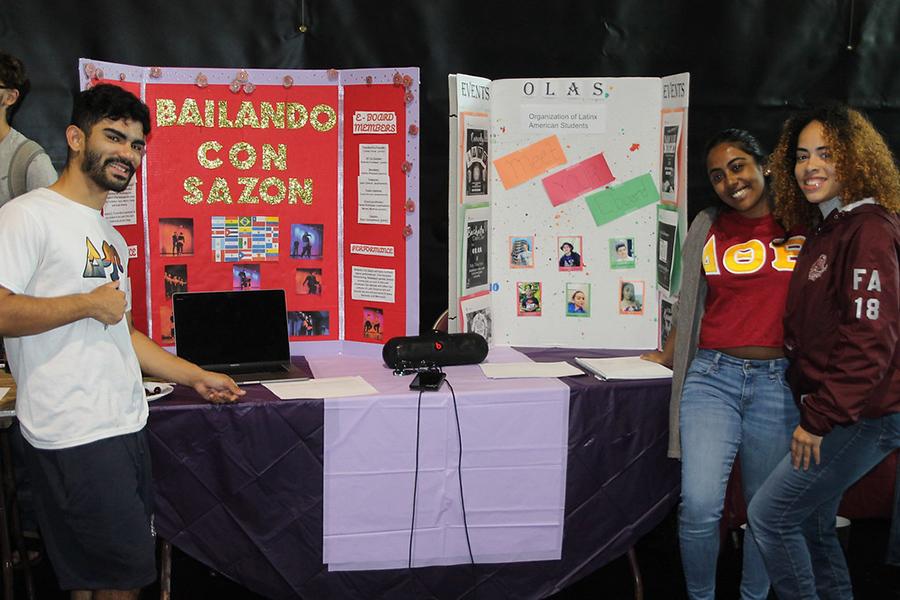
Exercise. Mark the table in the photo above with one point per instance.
(239, 488)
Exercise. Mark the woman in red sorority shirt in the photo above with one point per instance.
(729, 395)
(833, 172)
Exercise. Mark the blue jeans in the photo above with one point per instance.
(792, 516)
(728, 405)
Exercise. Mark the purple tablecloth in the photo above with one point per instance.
(239, 488)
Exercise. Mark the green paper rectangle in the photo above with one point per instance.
(610, 204)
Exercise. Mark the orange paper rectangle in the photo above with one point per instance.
(518, 167)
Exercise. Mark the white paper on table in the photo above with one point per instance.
(529, 369)
(3, 392)
(329, 387)
(625, 367)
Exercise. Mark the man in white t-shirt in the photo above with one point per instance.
(77, 359)
(24, 166)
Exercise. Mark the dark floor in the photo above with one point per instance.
(657, 555)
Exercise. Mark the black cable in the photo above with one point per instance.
(462, 498)
(412, 525)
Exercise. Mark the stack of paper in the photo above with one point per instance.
(625, 367)
(528, 369)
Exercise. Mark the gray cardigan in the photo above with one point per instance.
(687, 315)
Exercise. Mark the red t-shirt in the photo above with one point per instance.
(747, 279)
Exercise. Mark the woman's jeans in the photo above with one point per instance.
(728, 405)
(792, 515)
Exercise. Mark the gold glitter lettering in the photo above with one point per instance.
(190, 113)
(224, 123)
(165, 112)
(246, 116)
(331, 117)
(192, 187)
(203, 154)
(274, 114)
(219, 192)
(249, 184)
(270, 156)
(305, 193)
(248, 162)
(296, 115)
(209, 113)
(268, 183)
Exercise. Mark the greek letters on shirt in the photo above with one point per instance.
(96, 264)
(750, 256)
(868, 285)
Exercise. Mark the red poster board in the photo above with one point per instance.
(260, 180)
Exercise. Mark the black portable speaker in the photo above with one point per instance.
(436, 348)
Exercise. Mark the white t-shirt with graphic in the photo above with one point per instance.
(80, 382)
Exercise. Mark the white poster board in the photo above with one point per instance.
(574, 183)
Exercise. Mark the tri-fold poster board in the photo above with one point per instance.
(301, 180)
(567, 204)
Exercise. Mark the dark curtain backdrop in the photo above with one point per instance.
(751, 62)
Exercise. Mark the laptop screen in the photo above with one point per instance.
(231, 328)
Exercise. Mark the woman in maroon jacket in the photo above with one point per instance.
(834, 173)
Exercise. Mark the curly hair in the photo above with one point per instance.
(862, 161)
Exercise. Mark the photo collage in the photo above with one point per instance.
(570, 257)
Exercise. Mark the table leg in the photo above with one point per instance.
(165, 569)
(636, 574)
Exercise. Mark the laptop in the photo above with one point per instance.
(243, 334)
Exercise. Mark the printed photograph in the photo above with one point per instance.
(578, 299)
(479, 321)
(621, 253)
(308, 323)
(521, 255)
(569, 253)
(529, 299)
(167, 322)
(245, 277)
(476, 263)
(631, 297)
(308, 282)
(306, 241)
(665, 321)
(476, 162)
(176, 237)
(373, 323)
(175, 279)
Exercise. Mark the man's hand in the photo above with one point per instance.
(217, 388)
(108, 303)
(804, 445)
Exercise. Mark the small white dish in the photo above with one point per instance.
(150, 386)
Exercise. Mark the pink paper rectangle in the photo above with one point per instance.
(571, 182)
